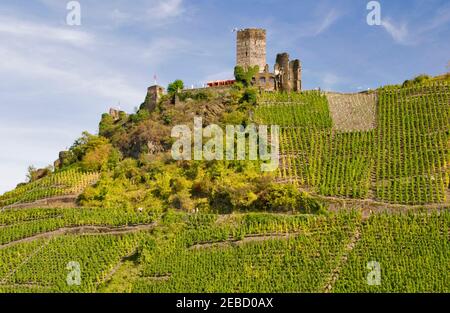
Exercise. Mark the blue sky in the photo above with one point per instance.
(56, 79)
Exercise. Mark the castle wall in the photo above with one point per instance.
(282, 70)
(296, 75)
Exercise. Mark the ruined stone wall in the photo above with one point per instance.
(282, 70)
(251, 48)
(265, 81)
(154, 93)
(296, 75)
(288, 73)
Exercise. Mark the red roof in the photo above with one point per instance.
(221, 83)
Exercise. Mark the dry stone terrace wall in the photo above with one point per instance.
(352, 112)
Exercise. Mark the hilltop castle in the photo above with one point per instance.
(251, 51)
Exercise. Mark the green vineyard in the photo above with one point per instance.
(413, 144)
(69, 182)
(403, 159)
(237, 253)
(149, 224)
(18, 224)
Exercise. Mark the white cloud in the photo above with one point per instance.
(39, 32)
(405, 34)
(61, 59)
(399, 33)
(69, 79)
(321, 21)
(164, 9)
(331, 17)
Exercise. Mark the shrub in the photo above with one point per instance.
(250, 96)
(245, 76)
(287, 198)
(175, 87)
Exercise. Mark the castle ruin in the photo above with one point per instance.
(154, 93)
(251, 48)
(251, 51)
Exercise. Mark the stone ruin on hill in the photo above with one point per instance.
(250, 51)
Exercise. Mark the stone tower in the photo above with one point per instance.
(288, 73)
(251, 48)
(282, 72)
(154, 93)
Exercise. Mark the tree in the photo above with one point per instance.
(30, 173)
(245, 76)
(175, 87)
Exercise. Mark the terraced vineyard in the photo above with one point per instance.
(401, 157)
(19, 224)
(237, 253)
(68, 182)
(37, 244)
(403, 160)
(260, 253)
(413, 252)
(413, 144)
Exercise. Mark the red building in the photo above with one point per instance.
(219, 83)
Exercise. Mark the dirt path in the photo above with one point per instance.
(337, 270)
(67, 201)
(30, 286)
(83, 230)
(369, 206)
(251, 238)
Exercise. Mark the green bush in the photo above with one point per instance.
(250, 96)
(245, 76)
(417, 80)
(141, 115)
(287, 198)
(175, 87)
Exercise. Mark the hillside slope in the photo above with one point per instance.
(402, 158)
(143, 222)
